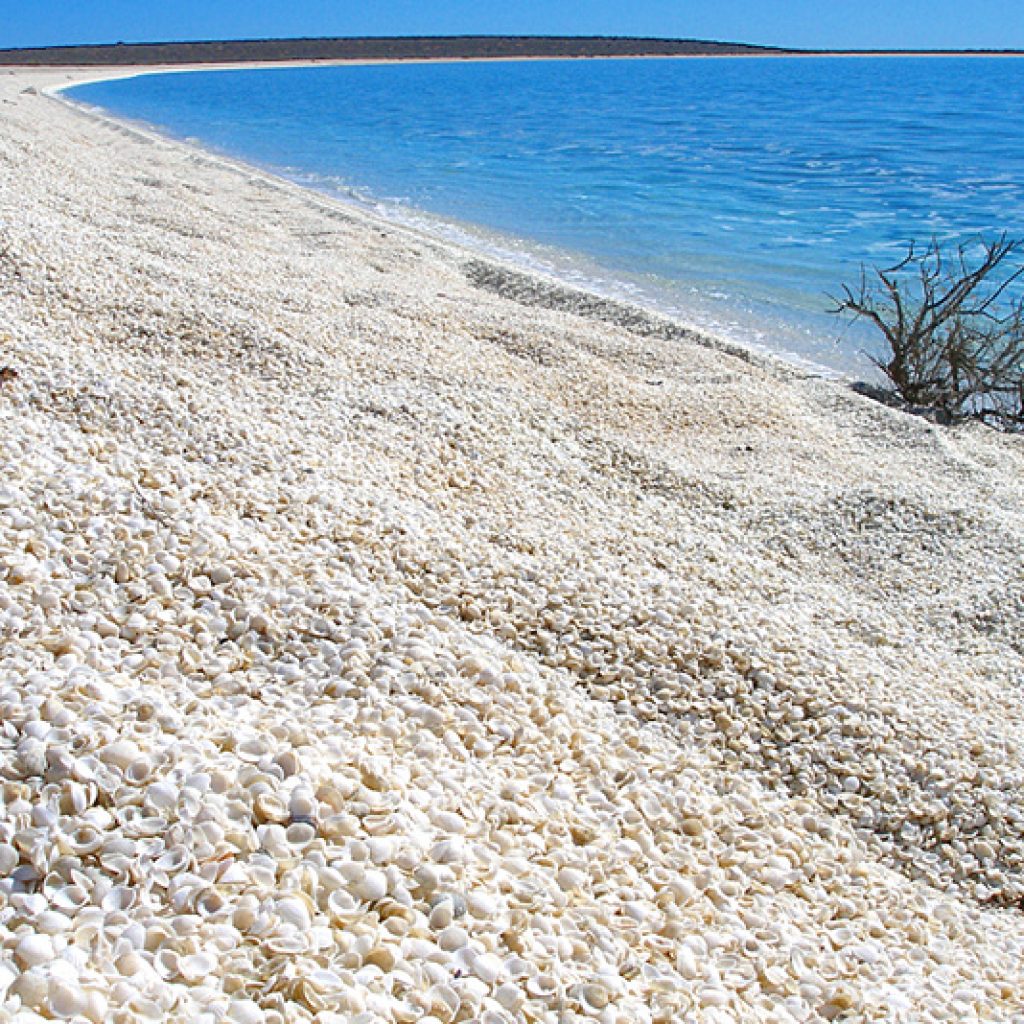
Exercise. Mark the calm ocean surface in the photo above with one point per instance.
(735, 194)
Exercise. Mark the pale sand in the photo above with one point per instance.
(695, 679)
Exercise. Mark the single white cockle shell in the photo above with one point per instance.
(34, 949)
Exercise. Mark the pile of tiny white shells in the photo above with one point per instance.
(374, 648)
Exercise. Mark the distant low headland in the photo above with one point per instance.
(373, 48)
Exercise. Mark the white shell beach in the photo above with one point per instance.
(387, 635)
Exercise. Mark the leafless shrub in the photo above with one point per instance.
(954, 337)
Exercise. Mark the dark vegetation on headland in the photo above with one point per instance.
(374, 48)
(411, 48)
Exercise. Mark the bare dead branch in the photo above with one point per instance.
(954, 337)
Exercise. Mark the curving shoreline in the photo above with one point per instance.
(380, 645)
(489, 270)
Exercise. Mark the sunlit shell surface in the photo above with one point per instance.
(377, 645)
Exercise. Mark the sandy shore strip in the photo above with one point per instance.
(385, 636)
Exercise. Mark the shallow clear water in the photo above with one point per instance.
(737, 194)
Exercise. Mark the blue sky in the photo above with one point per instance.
(915, 24)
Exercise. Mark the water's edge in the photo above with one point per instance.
(483, 261)
(486, 263)
(822, 348)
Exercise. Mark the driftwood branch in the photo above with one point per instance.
(954, 336)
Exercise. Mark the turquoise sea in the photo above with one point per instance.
(736, 194)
